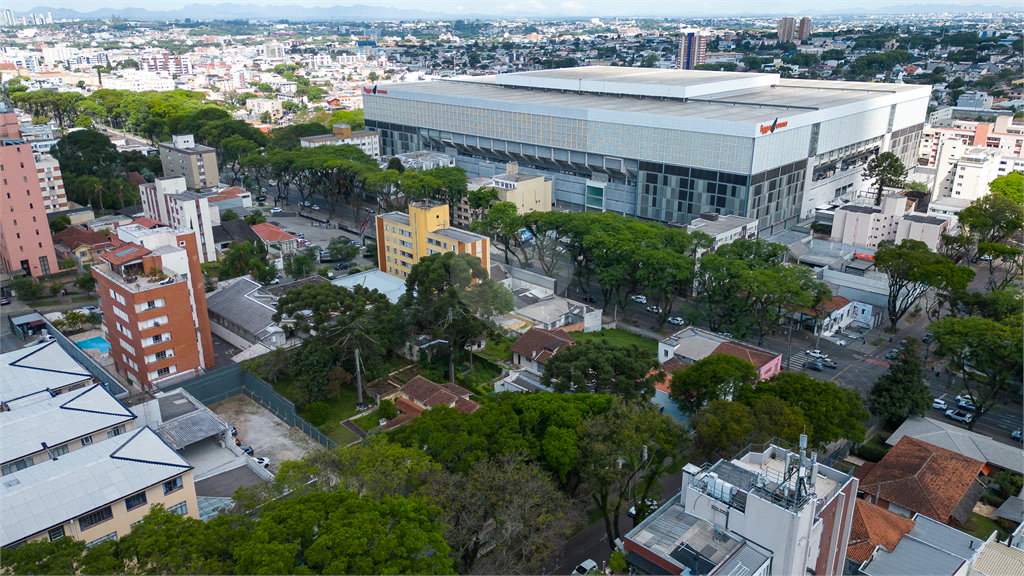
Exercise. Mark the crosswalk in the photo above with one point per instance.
(800, 360)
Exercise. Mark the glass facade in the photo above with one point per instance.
(679, 194)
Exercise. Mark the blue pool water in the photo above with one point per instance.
(98, 343)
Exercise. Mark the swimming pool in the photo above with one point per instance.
(97, 343)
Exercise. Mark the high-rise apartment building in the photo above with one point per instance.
(402, 239)
(8, 18)
(787, 28)
(51, 183)
(195, 162)
(168, 200)
(771, 511)
(25, 241)
(165, 62)
(804, 32)
(274, 51)
(693, 48)
(154, 305)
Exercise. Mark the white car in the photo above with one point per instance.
(986, 258)
(676, 320)
(315, 207)
(654, 309)
(959, 416)
(817, 354)
(639, 299)
(265, 462)
(275, 210)
(841, 342)
(585, 567)
(939, 404)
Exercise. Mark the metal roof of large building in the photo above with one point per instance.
(722, 96)
(37, 368)
(48, 494)
(56, 420)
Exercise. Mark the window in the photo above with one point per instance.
(94, 518)
(179, 509)
(15, 466)
(172, 485)
(115, 431)
(111, 536)
(134, 501)
(58, 451)
(163, 371)
(56, 533)
(87, 440)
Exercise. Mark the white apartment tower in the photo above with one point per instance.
(168, 200)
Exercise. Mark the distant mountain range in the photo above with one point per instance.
(364, 13)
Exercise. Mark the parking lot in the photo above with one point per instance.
(266, 433)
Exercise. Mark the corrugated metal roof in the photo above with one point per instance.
(191, 428)
(47, 494)
(234, 303)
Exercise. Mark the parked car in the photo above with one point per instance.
(892, 354)
(343, 266)
(639, 299)
(371, 211)
(966, 404)
(275, 210)
(841, 342)
(1017, 435)
(315, 207)
(816, 354)
(650, 506)
(89, 308)
(272, 182)
(654, 309)
(959, 416)
(247, 449)
(939, 404)
(676, 320)
(585, 567)
(298, 234)
(986, 258)
(305, 204)
(265, 462)
(260, 198)
(927, 338)
(234, 432)
(828, 363)
(816, 366)
(5, 301)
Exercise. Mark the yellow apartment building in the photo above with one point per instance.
(404, 238)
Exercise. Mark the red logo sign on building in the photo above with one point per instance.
(374, 90)
(765, 129)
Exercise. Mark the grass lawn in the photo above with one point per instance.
(84, 299)
(342, 408)
(619, 337)
(498, 350)
(979, 526)
(368, 422)
(45, 303)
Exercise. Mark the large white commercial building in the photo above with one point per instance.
(663, 145)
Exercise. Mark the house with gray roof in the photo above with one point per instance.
(241, 312)
(996, 455)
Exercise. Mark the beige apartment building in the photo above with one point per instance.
(423, 231)
(194, 162)
(96, 493)
(366, 140)
(529, 192)
(42, 426)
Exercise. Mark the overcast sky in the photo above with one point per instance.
(579, 8)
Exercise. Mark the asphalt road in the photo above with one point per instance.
(592, 542)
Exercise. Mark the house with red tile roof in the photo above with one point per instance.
(874, 526)
(533, 348)
(420, 394)
(831, 315)
(84, 245)
(271, 234)
(915, 476)
(692, 344)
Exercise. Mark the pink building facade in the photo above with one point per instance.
(25, 241)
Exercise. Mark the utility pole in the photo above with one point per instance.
(359, 380)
